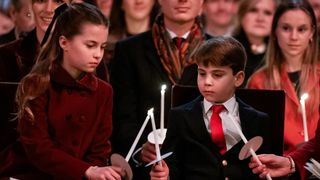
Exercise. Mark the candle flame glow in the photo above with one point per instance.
(304, 96)
(150, 111)
(163, 87)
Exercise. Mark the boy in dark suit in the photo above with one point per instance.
(204, 141)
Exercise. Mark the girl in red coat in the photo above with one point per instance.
(292, 65)
(64, 109)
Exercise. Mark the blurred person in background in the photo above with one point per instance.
(254, 26)
(129, 17)
(23, 19)
(6, 23)
(219, 16)
(16, 60)
(105, 6)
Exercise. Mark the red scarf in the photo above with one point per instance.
(172, 60)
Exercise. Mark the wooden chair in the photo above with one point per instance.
(271, 102)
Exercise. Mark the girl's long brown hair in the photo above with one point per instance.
(68, 24)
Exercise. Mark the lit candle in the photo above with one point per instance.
(138, 136)
(244, 139)
(304, 116)
(153, 123)
(163, 90)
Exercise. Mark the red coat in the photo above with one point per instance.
(309, 150)
(71, 129)
(293, 130)
(16, 60)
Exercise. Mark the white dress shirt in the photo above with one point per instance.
(231, 134)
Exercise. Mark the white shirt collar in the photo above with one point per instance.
(230, 105)
(173, 35)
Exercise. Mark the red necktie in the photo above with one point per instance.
(178, 42)
(216, 128)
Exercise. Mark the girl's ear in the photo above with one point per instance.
(63, 42)
(239, 78)
(311, 35)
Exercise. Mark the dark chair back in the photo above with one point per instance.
(7, 113)
(271, 102)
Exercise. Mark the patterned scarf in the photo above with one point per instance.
(173, 60)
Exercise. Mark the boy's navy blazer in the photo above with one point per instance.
(195, 156)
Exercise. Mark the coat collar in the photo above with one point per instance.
(59, 75)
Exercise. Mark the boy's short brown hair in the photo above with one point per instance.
(222, 51)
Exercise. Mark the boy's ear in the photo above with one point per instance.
(239, 78)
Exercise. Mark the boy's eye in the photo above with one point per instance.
(217, 75)
(201, 74)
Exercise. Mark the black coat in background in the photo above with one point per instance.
(8, 37)
(254, 61)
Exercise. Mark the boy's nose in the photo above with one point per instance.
(208, 82)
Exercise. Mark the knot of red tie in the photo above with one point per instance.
(216, 128)
(217, 109)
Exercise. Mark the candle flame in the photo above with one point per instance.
(163, 87)
(304, 96)
(150, 111)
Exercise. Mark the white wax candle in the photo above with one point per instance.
(304, 116)
(163, 90)
(133, 146)
(153, 123)
(254, 155)
(244, 139)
